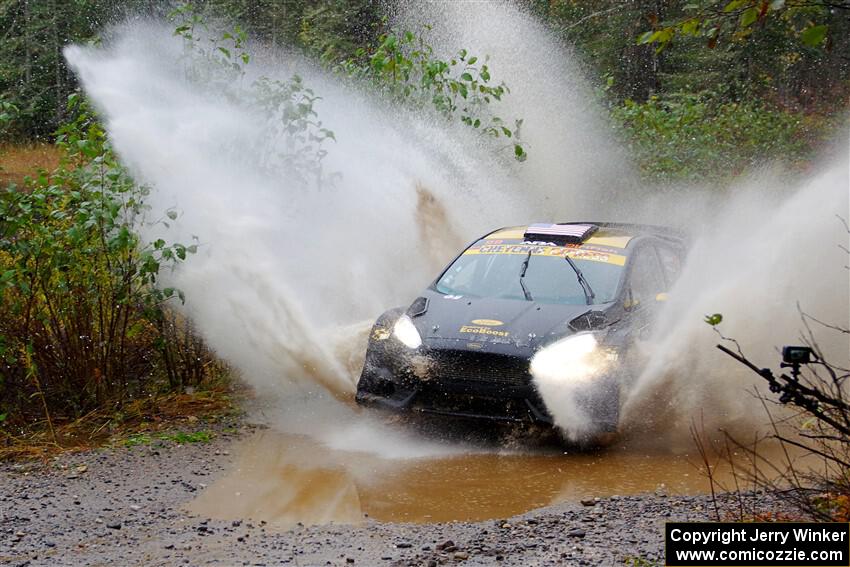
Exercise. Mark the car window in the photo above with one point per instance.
(670, 263)
(548, 278)
(461, 274)
(646, 278)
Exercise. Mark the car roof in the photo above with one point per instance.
(603, 237)
(609, 234)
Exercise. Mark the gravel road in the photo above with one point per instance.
(126, 506)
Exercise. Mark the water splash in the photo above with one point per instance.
(756, 254)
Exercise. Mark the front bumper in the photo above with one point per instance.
(457, 383)
(493, 385)
(525, 408)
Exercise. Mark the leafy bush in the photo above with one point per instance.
(699, 138)
(293, 139)
(81, 318)
(404, 68)
(7, 114)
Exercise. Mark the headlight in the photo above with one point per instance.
(405, 331)
(574, 359)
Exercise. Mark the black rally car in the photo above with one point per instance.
(522, 307)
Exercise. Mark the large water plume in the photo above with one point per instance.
(756, 254)
(287, 280)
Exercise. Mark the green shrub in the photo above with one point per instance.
(293, 140)
(687, 137)
(80, 308)
(404, 68)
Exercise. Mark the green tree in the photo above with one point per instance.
(33, 74)
(791, 51)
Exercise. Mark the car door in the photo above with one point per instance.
(646, 287)
(671, 264)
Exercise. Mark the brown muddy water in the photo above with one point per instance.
(284, 479)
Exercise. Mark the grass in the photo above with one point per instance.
(138, 423)
(180, 437)
(18, 161)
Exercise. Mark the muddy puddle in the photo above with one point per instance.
(284, 479)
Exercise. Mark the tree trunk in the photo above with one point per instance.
(27, 46)
(58, 67)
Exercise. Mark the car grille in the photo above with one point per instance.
(480, 367)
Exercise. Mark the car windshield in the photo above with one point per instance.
(494, 271)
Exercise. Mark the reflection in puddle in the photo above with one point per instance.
(284, 479)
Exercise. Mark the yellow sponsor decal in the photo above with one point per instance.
(487, 322)
(597, 254)
(508, 234)
(607, 239)
(479, 330)
(380, 334)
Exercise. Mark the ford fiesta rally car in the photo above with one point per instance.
(541, 306)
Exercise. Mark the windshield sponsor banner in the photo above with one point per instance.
(765, 544)
(585, 252)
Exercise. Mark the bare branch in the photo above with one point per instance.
(593, 15)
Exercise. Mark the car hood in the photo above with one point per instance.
(507, 321)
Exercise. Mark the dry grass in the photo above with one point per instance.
(100, 427)
(16, 162)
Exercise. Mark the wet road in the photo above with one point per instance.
(284, 479)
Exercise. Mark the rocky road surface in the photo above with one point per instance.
(124, 506)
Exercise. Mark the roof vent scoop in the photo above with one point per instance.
(570, 233)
